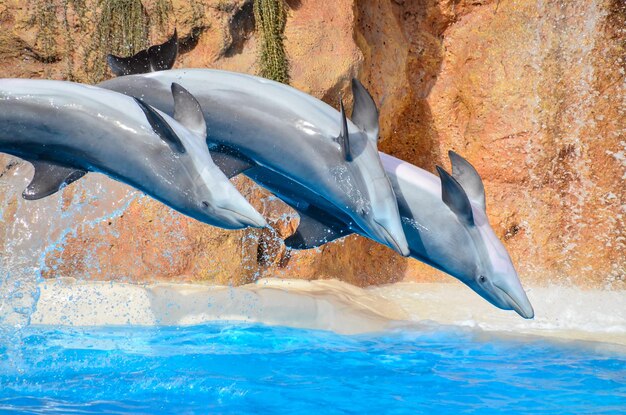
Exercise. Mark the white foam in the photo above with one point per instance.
(559, 311)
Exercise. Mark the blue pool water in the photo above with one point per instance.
(235, 368)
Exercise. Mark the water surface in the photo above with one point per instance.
(239, 368)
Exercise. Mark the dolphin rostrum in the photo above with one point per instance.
(434, 226)
(66, 130)
(289, 132)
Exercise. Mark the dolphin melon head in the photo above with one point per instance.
(195, 185)
(483, 263)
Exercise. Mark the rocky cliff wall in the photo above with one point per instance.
(531, 92)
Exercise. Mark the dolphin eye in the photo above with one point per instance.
(205, 204)
(482, 278)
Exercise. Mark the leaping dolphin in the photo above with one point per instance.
(437, 227)
(289, 132)
(444, 220)
(66, 130)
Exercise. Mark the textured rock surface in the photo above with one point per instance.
(532, 93)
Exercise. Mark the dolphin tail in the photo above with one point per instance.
(155, 58)
(49, 178)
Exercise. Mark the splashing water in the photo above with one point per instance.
(33, 229)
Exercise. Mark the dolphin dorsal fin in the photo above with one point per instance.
(455, 197)
(469, 179)
(187, 111)
(365, 113)
(316, 228)
(49, 178)
(343, 139)
(161, 127)
(155, 58)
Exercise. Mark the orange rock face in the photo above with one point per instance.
(532, 94)
(534, 97)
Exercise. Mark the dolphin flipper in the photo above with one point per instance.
(49, 178)
(315, 229)
(229, 164)
(155, 58)
(230, 161)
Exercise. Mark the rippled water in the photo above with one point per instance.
(226, 368)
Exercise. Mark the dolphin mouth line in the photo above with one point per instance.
(249, 219)
(391, 239)
(518, 309)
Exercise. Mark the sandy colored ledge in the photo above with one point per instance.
(326, 305)
(331, 305)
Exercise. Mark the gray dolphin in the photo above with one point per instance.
(289, 132)
(66, 129)
(444, 220)
(438, 231)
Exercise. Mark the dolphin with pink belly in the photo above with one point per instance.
(66, 130)
(444, 219)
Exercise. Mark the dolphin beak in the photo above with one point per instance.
(517, 300)
(238, 213)
(250, 218)
(256, 221)
(400, 245)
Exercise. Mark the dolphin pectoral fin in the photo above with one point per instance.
(49, 178)
(155, 58)
(315, 229)
(187, 111)
(365, 113)
(230, 165)
(469, 178)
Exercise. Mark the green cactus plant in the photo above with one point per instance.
(43, 17)
(271, 16)
(121, 28)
